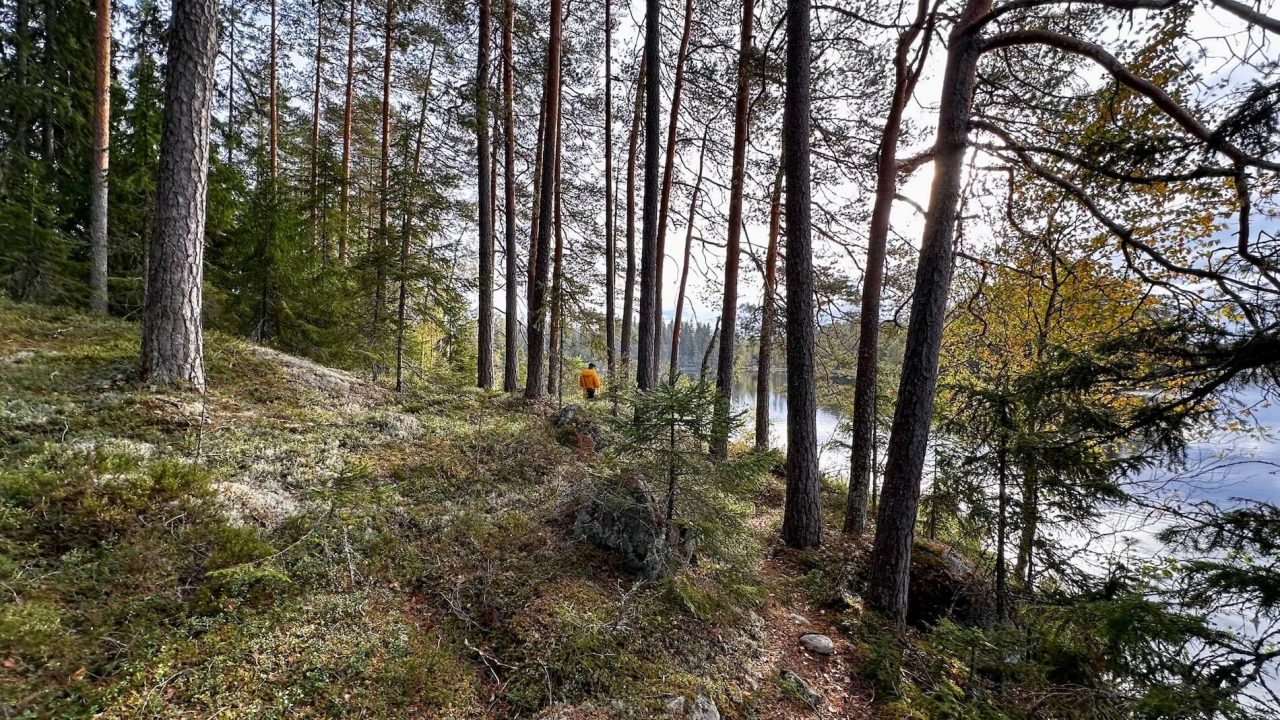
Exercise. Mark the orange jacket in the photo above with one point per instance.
(589, 380)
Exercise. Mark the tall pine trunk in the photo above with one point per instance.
(729, 308)
(865, 380)
(650, 310)
(684, 267)
(101, 155)
(484, 360)
(629, 274)
(533, 387)
(668, 177)
(764, 361)
(535, 212)
(909, 438)
(511, 359)
(344, 203)
(555, 340)
(802, 513)
(610, 241)
(172, 334)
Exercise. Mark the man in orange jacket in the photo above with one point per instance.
(589, 381)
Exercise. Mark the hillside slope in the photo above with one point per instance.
(303, 543)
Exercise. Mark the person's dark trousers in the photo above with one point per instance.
(591, 393)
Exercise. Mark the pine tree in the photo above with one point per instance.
(484, 363)
(172, 333)
(802, 514)
(538, 309)
(729, 308)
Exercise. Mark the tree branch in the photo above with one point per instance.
(1124, 76)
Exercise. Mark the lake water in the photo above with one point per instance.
(1225, 467)
(1222, 466)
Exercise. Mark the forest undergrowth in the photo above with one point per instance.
(300, 542)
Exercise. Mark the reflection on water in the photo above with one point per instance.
(1223, 467)
(833, 449)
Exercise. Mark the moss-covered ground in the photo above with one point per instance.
(300, 542)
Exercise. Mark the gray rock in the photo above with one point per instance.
(793, 681)
(820, 644)
(675, 706)
(704, 708)
(798, 619)
(621, 516)
(565, 416)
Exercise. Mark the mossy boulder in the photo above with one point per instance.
(621, 516)
(946, 584)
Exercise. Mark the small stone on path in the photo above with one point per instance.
(820, 644)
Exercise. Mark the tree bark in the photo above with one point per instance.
(610, 242)
(629, 276)
(908, 440)
(865, 385)
(729, 308)
(98, 243)
(511, 359)
(484, 360)
(764, 363)
(556, 336)
(646, 354)
(668, 177)
(536, 211)
(534, 382)
(172, 335)
(688, 251)
(802, 514)
(345, 200)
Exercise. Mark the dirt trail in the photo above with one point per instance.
(785, 617)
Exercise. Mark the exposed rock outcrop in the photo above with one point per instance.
(621, 516)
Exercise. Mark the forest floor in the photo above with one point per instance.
(302, 542)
